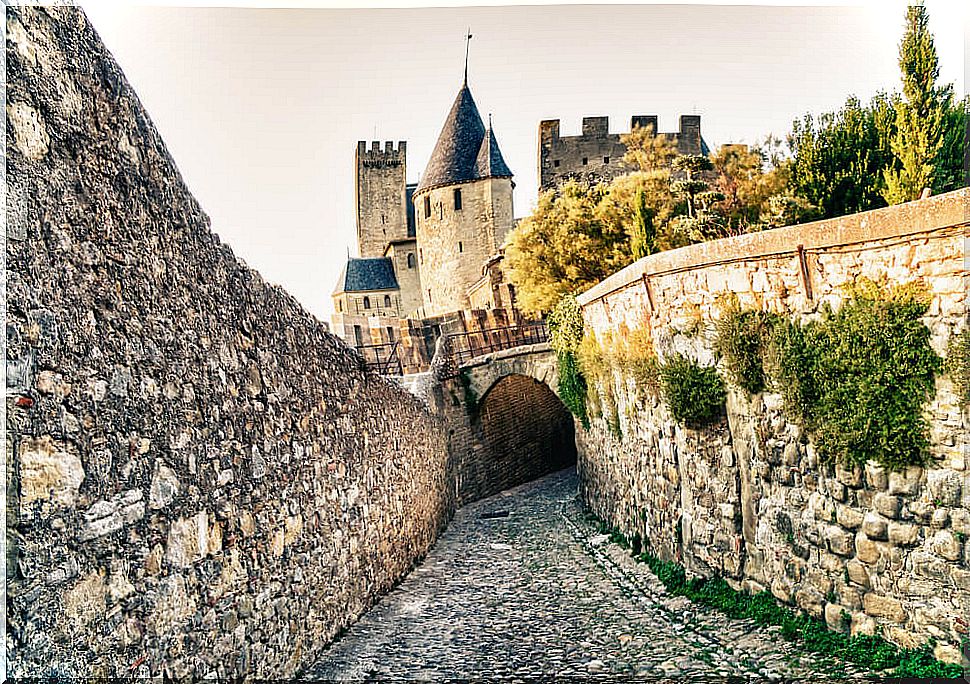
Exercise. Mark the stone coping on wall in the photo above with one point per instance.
(913, 218)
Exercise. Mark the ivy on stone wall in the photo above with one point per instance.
(565, 335)
(859, 377)
(694, 394)
(958, 365)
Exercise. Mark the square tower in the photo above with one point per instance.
(381, 198)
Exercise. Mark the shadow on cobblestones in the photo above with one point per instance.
(521, 586)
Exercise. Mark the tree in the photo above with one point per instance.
(648, 151)
(747, 177)
(701, 221)
(920, 115)
(564, 246)
(951, 165)
(838, 158)
(641, 204)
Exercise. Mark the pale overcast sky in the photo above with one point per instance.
(262, 107)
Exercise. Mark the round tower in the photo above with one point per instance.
(462, 206)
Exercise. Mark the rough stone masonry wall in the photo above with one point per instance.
(747, 498)
(201, 480)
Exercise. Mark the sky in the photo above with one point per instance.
(262, 107)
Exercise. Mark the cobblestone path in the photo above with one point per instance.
(540, 593)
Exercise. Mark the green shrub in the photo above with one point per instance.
(693, 393)
(858, 379)
(958, 365)
(633, 355)
(565, 335)
(742, 337)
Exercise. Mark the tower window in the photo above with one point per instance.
(427, 206)
(358, 336)
(387, 301)
(460, 248)
(421, 255)
(383, 218)
(390, 334)
(585, 161)
(429, 295)
(555, 162)
(410, 259)
(606, 160)
(457, 199)
(366, 302)
(340, 305)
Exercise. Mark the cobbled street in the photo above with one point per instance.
(539, 592)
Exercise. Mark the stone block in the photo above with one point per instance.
(943, 487)
(875, 526)
(838, 540)
(850, 597)
(862, 625)
(944, 543)
(887, 504)
(188, 540)
(903, 637)
(905, 482)
(848, 517)
(810, 601)
(833, 617)
(850, 476)
(782, 590)
(948, 653)
(883, 607)
(164, 486)
(903, 534)
(939, 518)
(111, 515)
(50, 471)
(866, 550)
(960, 521)
(876, 476)
(858, 573)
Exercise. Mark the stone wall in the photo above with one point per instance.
(597, 155)
(748, 498)
(201, 480)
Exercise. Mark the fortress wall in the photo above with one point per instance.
(200, 480)
(747, 498)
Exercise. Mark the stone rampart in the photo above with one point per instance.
(200, 480)
(748, 498)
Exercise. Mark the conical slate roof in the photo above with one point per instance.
(458, 153)
(490, 163)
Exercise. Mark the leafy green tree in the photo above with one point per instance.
(747, 177)
(920, 115)
(951, 165)
(838, 158)
(701, 220)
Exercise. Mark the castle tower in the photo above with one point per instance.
(381, 198)
(463, 207)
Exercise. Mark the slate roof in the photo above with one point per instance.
(363, 275)
(460, 147)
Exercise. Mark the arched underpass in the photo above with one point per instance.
(526, 430)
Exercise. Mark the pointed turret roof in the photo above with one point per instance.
(458, 154)
(490, 163)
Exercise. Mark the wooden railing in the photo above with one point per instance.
(468, 345)
(384, 359)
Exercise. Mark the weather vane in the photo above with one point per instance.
(468, 40)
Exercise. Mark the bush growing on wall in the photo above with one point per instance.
(633, 354)
(742, 337)
(693, 393)
(858, 379)
(565, 336)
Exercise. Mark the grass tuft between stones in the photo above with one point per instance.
(809, 633)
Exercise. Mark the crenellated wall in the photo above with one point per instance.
(201, 481)
(748, 498)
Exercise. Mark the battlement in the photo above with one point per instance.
(378, 152)
(596, 155)
(599, 126)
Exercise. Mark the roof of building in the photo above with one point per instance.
(490, 163)
(461, 143)
(364, 275)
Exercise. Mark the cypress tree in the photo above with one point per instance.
(919, 116)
